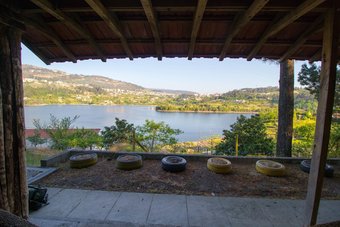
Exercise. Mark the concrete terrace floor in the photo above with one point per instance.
(73, 207)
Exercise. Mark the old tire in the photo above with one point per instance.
(306, 164)
(174, 164)
(219, 165)
(83, 160)
(129, 162)
(270, 168)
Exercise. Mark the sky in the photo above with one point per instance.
(205, 76)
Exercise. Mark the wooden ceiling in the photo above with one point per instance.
(71, 30)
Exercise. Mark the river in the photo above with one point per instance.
(194, 125)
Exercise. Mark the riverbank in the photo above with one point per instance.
(205, 111)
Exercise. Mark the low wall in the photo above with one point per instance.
(64, 156)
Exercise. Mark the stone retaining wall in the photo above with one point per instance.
(64, 156)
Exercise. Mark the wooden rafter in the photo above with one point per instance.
(312, 29)
(36, 51)
(9, 20)
(301, 10)
(153, 21)
(196, 25)
(211, 42)
(316, 56)
(112, 22)
(240, 22)
(70, 22)
(50, 34)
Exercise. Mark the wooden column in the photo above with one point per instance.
(286, 109)
(13, 186)
(324, 117)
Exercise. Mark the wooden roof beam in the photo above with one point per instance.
(36, 51)
(312, 29)
(112, 22)
(70, 22)
(301, 10)
(196, 25)
(153, 21)
(240, 22)
(316, 56)
(50, 34)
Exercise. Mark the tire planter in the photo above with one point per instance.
(219, 165)
(305, 167)
(79, 161)
(129, 162)
(174, 164)
(270, 168)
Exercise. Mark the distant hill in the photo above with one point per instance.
(175, 92)
(31, 73)
(263, 93)
(45, 86)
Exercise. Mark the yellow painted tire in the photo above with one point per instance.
(270, 168)
(79, 161)
(219, 165)
(129, 162)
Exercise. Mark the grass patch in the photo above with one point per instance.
(33, 156)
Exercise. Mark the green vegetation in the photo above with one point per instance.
(62, 136)
(155, 135)
(120, 132)
(150, 137)
(243, 100)
(252, 138)
(33, 156)
(36, 139)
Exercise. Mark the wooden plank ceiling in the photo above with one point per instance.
(63, 30)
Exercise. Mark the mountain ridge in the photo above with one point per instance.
(31, 72)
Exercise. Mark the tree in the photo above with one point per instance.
(58, 130)
(154, 135)
(310, 77)
(252, 137)
(85, 138)
(120, 132)
(36, 138)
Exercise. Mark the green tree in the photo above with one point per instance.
(36, 138)
(334, 141)
(85, 138)
(303, 138)
(252, 138)
(310, 77)
(154, 135)
(58, 131)
(120, 132)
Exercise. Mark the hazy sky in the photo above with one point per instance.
(199, 75)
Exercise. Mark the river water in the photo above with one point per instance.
(194, 125)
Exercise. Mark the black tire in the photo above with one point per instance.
(305, 167)
(79, 161)
(174, 164)
(129, 162)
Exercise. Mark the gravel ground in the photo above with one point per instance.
(195, 180)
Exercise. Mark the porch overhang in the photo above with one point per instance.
(62, 30)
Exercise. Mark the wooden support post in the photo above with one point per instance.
(13, 186)
(286, 109)
(324, 117)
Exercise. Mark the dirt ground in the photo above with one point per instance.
(195, 180)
